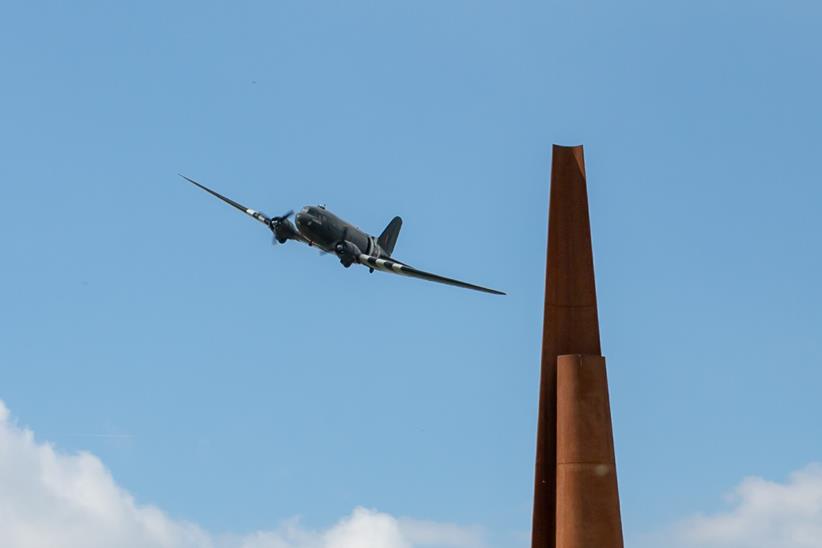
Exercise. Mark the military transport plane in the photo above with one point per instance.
(318, 227)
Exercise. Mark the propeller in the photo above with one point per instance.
(274, 224)
(277, 220)
(346, 251)
(339, 247)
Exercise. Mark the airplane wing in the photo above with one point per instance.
(396, 267)
(255, 214)
(280, 226)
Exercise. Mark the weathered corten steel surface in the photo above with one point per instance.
(587, 496)
(570, 322)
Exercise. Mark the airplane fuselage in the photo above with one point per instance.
(326, 230)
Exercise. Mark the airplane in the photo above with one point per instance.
(318, 227)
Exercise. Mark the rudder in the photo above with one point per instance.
(388, 238)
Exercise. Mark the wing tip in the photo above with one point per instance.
(491, 291)
(190, 180)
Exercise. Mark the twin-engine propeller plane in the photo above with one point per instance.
(318, 227)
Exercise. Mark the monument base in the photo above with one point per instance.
(587, 511)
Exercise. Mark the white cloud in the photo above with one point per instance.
(364, 529)
(762, 514)
(61, 500)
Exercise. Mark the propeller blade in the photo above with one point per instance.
(281, 218)
(250, 212)
(342, 240)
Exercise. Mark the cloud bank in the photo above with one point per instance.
(764, 514)
(70, 500)
(761, 514)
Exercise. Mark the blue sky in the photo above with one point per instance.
(234, 385)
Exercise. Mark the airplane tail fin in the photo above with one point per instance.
(388, 238)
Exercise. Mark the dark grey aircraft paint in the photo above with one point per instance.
(318, 227)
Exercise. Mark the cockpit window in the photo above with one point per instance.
(316, 215)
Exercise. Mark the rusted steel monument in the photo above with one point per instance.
(576, 502)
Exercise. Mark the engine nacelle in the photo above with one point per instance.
(347, 252)
(283, 230)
